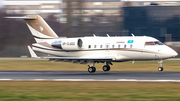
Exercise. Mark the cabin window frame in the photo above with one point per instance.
(89, 46)
(95, 46)
(107, 46)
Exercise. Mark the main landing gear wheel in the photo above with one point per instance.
(91, 69)
(106, 68)
(160, 69)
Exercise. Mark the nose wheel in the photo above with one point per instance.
(160, 69)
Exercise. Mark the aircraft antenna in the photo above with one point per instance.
(107, 35)
(132, 34)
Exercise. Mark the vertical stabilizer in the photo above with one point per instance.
(39, 28)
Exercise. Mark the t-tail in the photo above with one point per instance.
(40, 30)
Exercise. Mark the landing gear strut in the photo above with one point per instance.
(92, 67)
(160, 69)
(107, 67)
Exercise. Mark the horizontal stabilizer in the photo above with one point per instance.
(26, 18)
(33, 54)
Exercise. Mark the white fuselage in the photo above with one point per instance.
(119, 48)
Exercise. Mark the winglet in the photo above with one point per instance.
(33, 54)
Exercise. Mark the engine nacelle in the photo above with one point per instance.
(68, 44)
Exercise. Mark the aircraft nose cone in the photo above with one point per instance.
(174, 53)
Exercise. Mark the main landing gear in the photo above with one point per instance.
(107, 67)
(92, 67)
(160, 69)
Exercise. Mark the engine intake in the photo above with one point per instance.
(68, 44)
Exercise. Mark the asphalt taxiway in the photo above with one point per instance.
(86, 76)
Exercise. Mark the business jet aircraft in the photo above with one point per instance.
(94, 49)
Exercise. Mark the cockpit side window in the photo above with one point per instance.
(153, 43)
(149, 43)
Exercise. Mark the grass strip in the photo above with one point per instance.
(88, 91)
(45, 65)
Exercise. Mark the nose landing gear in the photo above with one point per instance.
(160, 69)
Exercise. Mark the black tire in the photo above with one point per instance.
(94, 69)
(106, 68)
(160, 69)
(91, 69)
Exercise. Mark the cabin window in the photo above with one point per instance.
(112, 46)
(107, 46)
(131, 46)
(124, 46)
(94, 46)
(89, 46)
(119, 46)
(101, 46)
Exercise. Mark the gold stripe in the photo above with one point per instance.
(49, 46)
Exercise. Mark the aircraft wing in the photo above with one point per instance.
(79, 58)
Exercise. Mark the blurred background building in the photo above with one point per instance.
(41, 7)
(78, 18)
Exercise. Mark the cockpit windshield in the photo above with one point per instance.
(154, 43)
(158, 43)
